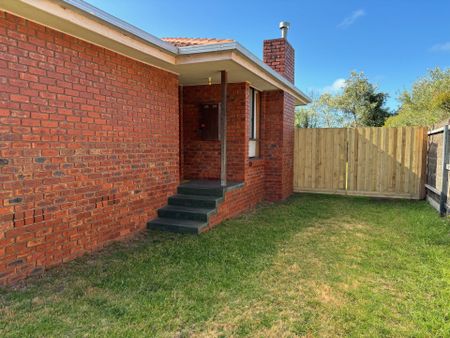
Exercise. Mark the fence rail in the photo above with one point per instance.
(381, 162)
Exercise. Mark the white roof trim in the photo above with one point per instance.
(125, 26)
(157, 48)
(235, 46)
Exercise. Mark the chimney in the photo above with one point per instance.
(279, 54)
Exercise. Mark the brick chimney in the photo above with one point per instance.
(279, 54)
(278, 115)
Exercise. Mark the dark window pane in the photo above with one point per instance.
(252, 113)
(209, 121)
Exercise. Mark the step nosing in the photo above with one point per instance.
(180, 208)
(196, 197)
(177, 222)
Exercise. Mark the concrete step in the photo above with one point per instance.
(177, 225)
(195, 201)
(200, 190)
(188, 213)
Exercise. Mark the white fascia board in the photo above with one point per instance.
(118, 23)
(71, 20)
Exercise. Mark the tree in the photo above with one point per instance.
(306, 117)
(318, 113)
(358, 104)
(361, 101)
(427, 103)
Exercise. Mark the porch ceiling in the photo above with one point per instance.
(199, 74)
(196, 64)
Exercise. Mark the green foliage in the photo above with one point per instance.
(309, 116)
(319, 113)
(306, 117)
(361, 101)
(427, 103)
(358, 104)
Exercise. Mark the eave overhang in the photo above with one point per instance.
(194, 64)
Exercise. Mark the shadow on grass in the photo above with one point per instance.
(161, 282)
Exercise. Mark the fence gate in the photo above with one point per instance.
(381, 162)
(437, 175)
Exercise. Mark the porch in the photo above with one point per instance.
(232, 135)
(213, 135)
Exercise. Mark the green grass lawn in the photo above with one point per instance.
(312, 266)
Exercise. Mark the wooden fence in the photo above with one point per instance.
(381, 162)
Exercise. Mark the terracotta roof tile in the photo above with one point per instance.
(183, 42)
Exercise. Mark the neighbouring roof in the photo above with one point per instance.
(184, 42)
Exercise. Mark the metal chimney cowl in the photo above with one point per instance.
(284, 26)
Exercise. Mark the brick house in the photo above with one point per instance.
(106, 129)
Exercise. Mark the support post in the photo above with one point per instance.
(444, 189)
(223, 129)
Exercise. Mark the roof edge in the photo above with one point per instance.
(119, 23)
(236, 46)
(131, 32)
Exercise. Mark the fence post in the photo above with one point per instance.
(347, 149)
(444, 188)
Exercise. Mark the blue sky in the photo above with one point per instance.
(394, 42)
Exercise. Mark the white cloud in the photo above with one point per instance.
(441, 47)
(333, 88)
(350, 20)
(336, 86)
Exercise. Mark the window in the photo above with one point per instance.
(254, 123)
(209, 121)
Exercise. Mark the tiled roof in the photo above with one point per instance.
(183, 42)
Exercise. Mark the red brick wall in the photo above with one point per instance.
(288, 145)
(201, 159)
(272, 130)
(180, 130)
(278, 145)
(279, 54)
(88, 146)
